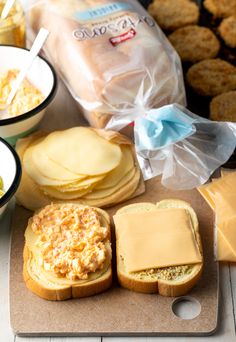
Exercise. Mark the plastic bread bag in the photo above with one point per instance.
(106, 51)
(121, 69)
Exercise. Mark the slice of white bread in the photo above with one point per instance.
(47, 285)
(168, 281)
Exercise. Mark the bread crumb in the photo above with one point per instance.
(165, 273)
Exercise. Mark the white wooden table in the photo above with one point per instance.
(226, 330)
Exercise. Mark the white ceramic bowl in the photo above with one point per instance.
(41, 75)
(10, 171)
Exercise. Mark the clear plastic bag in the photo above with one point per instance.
(185, 156)
(121, 69)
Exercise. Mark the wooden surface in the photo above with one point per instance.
(226, 326)
(117, 311)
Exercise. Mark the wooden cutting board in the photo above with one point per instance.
(118, 311)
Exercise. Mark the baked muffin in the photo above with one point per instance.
(223, 107)
(212, 77)
(227, 30)
(220, 8)
(172, 14)
(195, 43)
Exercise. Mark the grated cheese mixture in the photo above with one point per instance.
(26, 98)
(72, 240)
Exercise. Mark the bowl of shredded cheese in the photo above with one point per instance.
(35, 93)
(10, 174)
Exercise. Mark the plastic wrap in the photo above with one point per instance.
(121, 69)
(185, 148)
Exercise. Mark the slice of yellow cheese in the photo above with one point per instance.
(225, 251)
(221, 196)
(97, 194)
(81, 184)
(225, 172)
(225, 205)
(28, 194)
(59, 195)
(82, 151)
(115, 176)
(156, 239)
(43, 170)
(227, 232)
(224, 185)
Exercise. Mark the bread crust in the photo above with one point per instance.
(163, 287)
(83, 290)
(158, 286)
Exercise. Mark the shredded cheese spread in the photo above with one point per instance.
(26, 98)
(72, 241)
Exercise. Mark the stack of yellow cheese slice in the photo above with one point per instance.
(221, 196)
(81, 164)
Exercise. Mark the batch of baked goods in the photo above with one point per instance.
(200, 35)
(122, 71)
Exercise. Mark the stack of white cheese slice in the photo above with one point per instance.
(81, 164)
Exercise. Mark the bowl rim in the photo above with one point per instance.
(14, 186)
(43, 104)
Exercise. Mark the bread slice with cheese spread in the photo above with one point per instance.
(64, 256)
(167, 281)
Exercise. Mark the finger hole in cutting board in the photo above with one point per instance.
(186, 307)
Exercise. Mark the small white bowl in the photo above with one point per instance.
(42, 76)
(10, 171)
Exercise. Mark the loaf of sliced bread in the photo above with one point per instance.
(51, 286)
(168, 281)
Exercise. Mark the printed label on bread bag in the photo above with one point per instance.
(101, 11)
(114, 26)
(123, 37)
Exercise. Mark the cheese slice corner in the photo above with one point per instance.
(225, 251)
(224, 186)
